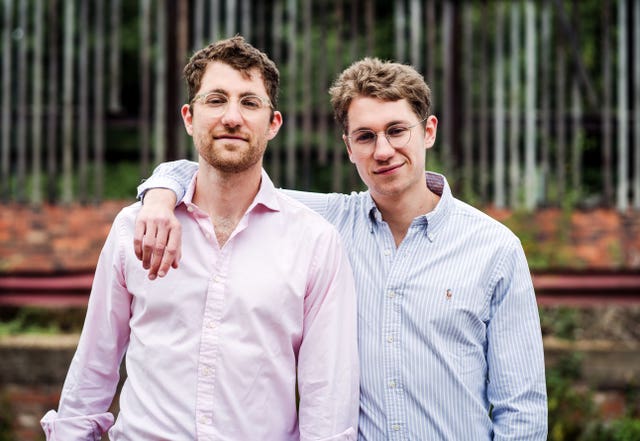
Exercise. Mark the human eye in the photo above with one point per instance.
(215, 99)
(251, 102)
(397, 131)
(363, 136)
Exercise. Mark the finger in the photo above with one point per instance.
(171, 252)
(156, 258)
(148, 243)
(137, 238)
(158, 250)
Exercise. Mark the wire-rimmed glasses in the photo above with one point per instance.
(398, 136)
(217, 103)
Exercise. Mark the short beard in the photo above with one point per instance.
(240, 162)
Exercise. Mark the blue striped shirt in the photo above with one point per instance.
(449, 335)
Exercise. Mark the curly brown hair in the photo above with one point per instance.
(238, 54)
(384, 80)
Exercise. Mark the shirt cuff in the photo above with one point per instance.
(161, 182)
(81, 428)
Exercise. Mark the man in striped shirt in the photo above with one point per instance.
(449, 336)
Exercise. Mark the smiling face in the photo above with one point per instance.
(236, 140)
(390, 172)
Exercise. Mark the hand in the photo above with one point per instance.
(158, 233)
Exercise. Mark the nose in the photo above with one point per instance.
(232, 116)
(382, 149)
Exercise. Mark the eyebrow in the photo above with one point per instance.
(389, 124)
(224, 92)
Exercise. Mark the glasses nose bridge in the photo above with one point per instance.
(225, 110)
(384, 134)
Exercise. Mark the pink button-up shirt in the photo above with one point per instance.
(215, 349)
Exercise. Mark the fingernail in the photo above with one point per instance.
(161, 273)
(152, 276)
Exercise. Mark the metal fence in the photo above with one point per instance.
(538, 101)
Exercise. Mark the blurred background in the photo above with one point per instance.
(539, 125)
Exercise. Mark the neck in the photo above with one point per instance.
(226, 195)
(399, 211)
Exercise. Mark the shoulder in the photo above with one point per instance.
(477, 222)
(299, 216)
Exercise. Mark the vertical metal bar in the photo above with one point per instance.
(499, 156)
(448, 90)
(636, 119)
(531, 190)
(545, 104)
(415, 28)
(514, 113)
(230, 22)
(276, 169)
(337, 168)
(307, 90)
(160, 99)
(6, 100)
(468, 125)
(52, 101)
(292, 100)
(83, 100)
(98, 103)
(68, 113)
(321, 90)
(607, 105)
(400, 27)
(145, 96)
(36, 160)
(484, 106)
(115, 106)
(623, 110)
(21, 123)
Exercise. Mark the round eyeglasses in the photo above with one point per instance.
(398, 136)
(217, 103)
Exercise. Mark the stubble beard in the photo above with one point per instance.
(228, 157)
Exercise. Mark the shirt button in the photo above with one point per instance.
(190, 209)
(392, 384)
(391, 294)
(216, 279)
(208, 236)
(387, 252)
(211, 324)
(206, 371)
(204, 420)
(396, 427)
(390, 339)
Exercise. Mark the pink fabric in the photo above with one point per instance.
(214, 349)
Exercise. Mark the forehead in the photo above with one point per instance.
(368, 112)
(222, 77)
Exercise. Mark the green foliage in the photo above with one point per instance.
(561, 322)
(30, 320)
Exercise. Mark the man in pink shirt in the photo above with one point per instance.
(262, 304)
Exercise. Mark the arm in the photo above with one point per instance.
(94, 372)
(157, 237)
(328, 373)
(515, 355)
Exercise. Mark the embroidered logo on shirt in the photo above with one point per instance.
(449, 294)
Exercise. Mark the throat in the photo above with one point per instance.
(223, 227)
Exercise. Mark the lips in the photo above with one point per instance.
(229, 136)
(387, 169)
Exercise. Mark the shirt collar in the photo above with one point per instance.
(266, 195)
(431, 221)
